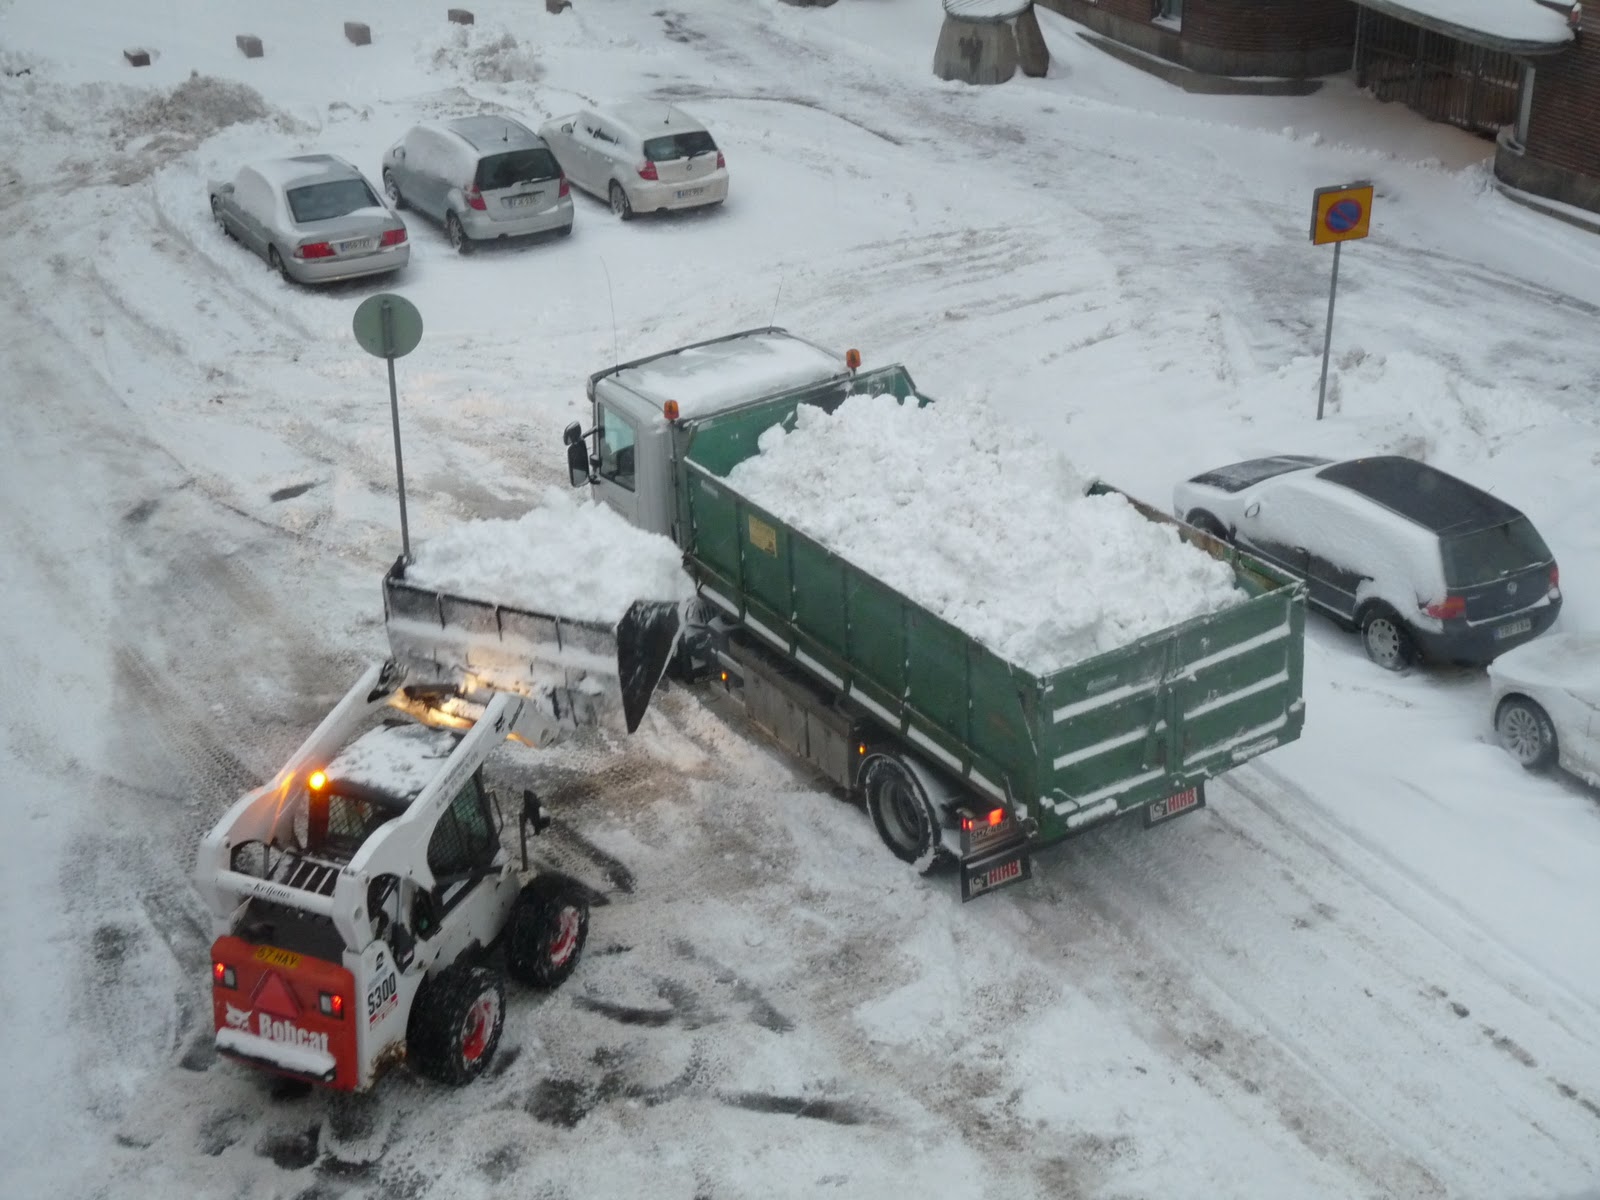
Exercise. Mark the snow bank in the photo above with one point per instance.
(974, 519)
(567, 557)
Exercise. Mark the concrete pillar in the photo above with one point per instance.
(357, 33)
(137, 58)
(975, 51)
(250, 44)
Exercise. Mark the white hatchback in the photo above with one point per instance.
(1546, 703)
(642, 156)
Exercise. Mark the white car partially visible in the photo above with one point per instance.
(1546, 697)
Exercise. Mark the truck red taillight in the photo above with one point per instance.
(392, 237)
(993, 817)
(563, 190)
(331, 1004)
(648, 171)
(222, 975)
(314, 250)
(475, 198)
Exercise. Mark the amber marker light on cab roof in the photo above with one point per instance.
(852, 359)
(317, 780)
(670, 410)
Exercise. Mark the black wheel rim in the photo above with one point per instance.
(902, 817)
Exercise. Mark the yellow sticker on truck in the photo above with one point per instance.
(276, 957)
(763, 536)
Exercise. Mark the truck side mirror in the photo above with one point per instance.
(572, 433)
(578, 462)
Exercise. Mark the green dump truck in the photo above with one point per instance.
(955, 751)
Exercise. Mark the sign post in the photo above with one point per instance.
(389, 327)
(1339, 214)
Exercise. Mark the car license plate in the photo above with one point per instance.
(685, 193)
(1172, 806)
(1513, 628)
(358, 246)
(522, 201)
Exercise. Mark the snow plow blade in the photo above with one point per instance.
(580, 668)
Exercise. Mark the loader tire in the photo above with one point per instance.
(455, 1024)
(547, 932)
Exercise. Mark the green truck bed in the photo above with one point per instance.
(1112, 733)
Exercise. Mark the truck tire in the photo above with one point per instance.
(898, 804)
(547, 931)
(455, 1024)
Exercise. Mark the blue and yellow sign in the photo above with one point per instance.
(1341, 213)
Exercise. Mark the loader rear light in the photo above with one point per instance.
(222, 975)
(852, 359)
(317, 780)
(669, 410)
(995, 816)
(331, 1004)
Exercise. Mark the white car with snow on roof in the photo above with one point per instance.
(1545, 698)
(640, 156)
(906, 597)
(362, 900)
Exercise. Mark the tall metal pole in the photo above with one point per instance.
(394, 412)
(1322, 387)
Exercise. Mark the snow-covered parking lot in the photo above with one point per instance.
(1371, 967)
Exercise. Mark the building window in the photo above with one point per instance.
(1167, 12)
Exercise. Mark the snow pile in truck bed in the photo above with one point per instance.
(567, 557)
(978, 522)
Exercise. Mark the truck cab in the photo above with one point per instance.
(637, 404)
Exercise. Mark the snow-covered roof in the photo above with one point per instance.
(650, 117)
(304, 168)
(1514, 26)
(397, 760)
(706, 379)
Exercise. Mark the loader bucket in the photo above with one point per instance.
(578, 668)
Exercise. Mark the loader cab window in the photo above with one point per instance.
(464, 838)
(616, 449)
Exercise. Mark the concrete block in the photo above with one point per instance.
(975, 52)
(460, 16)
(250, 44)
(555, 6)
(137, 58)
(358, 33)
(1032, 53)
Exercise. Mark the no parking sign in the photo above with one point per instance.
(1341, 213)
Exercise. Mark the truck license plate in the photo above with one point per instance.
(1513, 628)
(1172, 806)
(988, 875)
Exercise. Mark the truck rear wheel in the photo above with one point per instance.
(548, 928)
(455, 1024)
(900, 809)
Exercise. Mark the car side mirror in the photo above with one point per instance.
(578, 463)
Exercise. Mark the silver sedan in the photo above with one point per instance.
(314, 218)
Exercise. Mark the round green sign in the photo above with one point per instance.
(387, 325)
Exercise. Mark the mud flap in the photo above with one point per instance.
(646, 637)
(995, 870)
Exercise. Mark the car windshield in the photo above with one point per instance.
(1489, 554)
(514, 167)
(679, 145)
(324, 201)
